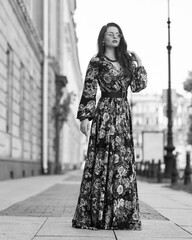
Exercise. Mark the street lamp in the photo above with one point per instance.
(169, 157)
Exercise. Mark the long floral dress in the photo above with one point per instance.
(108, 196)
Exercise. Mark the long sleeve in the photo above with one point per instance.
(139, 80)
(87, 103)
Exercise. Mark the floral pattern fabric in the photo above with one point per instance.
(108, 197)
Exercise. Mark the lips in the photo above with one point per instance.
(115, 41)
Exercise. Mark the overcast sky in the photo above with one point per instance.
(144, 24)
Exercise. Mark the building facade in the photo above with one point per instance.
(32, 35)
(71, 153)
(20, 91)
(149, 114)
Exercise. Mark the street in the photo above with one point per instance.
(41, 208)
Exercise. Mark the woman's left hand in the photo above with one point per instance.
(137, 58)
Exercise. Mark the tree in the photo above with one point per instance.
(187, 85)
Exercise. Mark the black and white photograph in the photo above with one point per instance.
(95, 119)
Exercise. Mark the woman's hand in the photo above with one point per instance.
(136, 57)
(84, 126)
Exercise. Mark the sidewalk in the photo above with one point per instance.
(41, 208)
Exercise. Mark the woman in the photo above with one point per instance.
(108, 196)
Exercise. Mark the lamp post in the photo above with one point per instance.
(169, 157)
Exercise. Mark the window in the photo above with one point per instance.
(31, 115)
(21, 98)
(9, 88)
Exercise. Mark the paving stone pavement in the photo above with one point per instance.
(54, 202)
(47, 215)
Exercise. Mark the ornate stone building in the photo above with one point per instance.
(71, 152)
(33, 76)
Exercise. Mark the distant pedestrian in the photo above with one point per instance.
(108, 196)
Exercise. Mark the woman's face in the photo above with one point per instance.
(112, 37)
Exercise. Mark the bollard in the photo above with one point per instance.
(174, 173)
(145, 169)
(187, 173)
(152, 174)
(142, 168)
(148, 169)
(139, 168)
(159, 174)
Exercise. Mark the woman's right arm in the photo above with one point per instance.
(87, 103)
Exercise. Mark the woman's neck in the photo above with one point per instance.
(110, 53)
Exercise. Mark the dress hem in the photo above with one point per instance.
(137, 227)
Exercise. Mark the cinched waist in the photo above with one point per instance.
(117, 94)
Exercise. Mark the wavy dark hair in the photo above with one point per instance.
(121, 51)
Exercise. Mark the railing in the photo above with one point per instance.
(155, 171)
